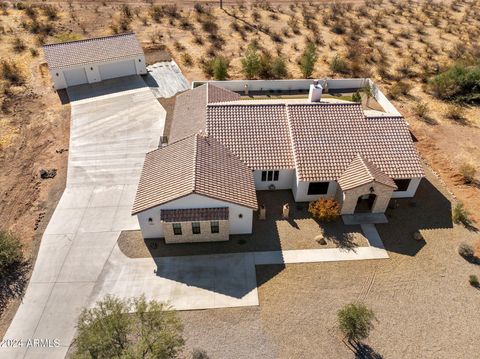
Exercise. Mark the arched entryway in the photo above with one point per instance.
(365, 203)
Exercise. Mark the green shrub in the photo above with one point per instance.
(135, 328)
(473, 280)
(355, 321)
(421, 109)
(466, 250)
(356, 97)
(461, 215)
(251, 62)
(325, 209)
(339, 65)
(468, 171)
(279, 68)
(459, 83)
(10, 251)
(220, 68)
(199, 354)
(308, 60)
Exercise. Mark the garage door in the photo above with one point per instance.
(117, 69)
(75, 76)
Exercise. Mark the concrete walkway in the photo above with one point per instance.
(113, 125)
(166, 79)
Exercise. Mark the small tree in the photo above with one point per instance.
(325, 209)
(136, 328)
(355, 321)
(10, 251)
(220, 68)
(308, 60)
(251, 62)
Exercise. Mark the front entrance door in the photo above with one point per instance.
(365, 203)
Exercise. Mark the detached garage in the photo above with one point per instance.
(93, 60)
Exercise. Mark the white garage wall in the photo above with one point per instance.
(237, 225)
(92, 71)
(117, 69)
(285, 180)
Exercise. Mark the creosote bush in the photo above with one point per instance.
(10, 251)
(466, 251)
(460, 215)
(468, 171)
(11, 72)
(339, 65)
(325, 209)
(355, 321)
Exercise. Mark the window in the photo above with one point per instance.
(196, 227)
(214, 227)
(402, 184)
(318, 188)
(270, 176)
(177, 229)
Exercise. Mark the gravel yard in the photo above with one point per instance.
(424, 304)
(300, 231)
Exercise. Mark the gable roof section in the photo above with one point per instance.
(327, 137)
(360, 172)
(99, 49)
(189, 114)
(196, 164)
(257, 134)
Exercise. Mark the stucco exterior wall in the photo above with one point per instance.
(411, 190)
(205, 234)
(92, 71)
(384, 193)
(240, 218)
(300, 192)
(285, 180)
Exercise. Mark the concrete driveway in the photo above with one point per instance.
(113, 125)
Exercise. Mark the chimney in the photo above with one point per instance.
(315, 92)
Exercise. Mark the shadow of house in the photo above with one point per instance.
(103, 88)
(429, 209)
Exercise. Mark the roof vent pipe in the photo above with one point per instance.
(315, 93)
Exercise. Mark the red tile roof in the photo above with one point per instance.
(360, 172)
(257, 134)
(99, 49)
(194, 214)
(196, 164)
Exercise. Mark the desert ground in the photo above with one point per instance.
(389, 41)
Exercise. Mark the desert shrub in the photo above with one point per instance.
(18, 44)
(128, 328)
(455, 113)
(466, 250)
(461, 215)
(209, 26)
(400, 88)
(279, 68)
(187, 59)
(31, 11)
(308, 60)
(355, 320)
(468, 171)
(12, 73)
(339, 65)
(473, 280)
(199, 9)
(325, 209)
(10, 251)
(199, 354)
(356, 97)
(50, 11)
(459, 83)
(156, 12)
(251, 62)
(421, 110)
(220, 68)
(265, 68)
(126, 11)
(33, 51)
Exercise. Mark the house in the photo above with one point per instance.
(93, 60)
(317, 148)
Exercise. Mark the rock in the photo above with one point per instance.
(44, 174)
(417, 236)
